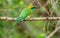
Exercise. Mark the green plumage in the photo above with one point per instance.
(25, 12)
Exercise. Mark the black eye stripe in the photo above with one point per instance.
(33, 8)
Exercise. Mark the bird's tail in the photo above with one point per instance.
(11, 29)
(19, 19)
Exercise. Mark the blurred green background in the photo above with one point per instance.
(28, 29)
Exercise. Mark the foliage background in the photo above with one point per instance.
(29, 29)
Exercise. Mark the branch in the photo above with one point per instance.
(52, 33)
(31, 19)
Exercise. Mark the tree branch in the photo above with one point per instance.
(52, 33)
(31, 19)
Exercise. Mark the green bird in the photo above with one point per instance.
(25, 13)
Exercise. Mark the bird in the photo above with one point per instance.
(24, 14)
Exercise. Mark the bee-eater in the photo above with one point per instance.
(25, 13)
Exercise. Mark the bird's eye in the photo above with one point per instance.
(33, 8)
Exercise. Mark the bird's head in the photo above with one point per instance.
(33, 8)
